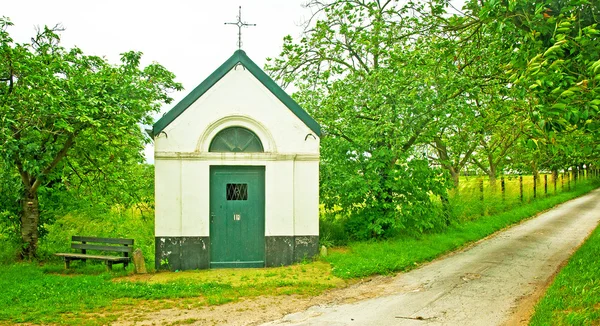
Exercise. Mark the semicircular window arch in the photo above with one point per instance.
(236, 140)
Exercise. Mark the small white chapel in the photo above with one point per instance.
(237, 174)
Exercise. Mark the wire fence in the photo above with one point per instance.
(477, 195)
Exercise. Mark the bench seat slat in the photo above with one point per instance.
(102, 240)
(101, 248)
(83, 256)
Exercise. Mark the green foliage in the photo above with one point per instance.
(384, 211)
(555, 57)
(71, 120)
(464, 203)
(573, 297)
(101, 191)
(374, 97)
(10, 187)
(394, 84)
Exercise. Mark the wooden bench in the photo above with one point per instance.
(104, 245)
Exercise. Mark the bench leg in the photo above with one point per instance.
(125, 264)
(109, 265)
(67, 263)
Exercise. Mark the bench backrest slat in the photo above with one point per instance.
(86, 246)
(103, 240)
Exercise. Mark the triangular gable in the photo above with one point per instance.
(238, 57)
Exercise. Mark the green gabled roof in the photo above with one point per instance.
(238, 57)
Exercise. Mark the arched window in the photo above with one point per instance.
(237, 140)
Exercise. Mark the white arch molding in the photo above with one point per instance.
(247, 122)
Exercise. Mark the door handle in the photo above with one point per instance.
(212, 217)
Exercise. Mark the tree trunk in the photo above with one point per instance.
(30, 219)
(492, 176)
(455, 174)
(535, 172)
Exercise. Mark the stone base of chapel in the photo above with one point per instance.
(188, 253)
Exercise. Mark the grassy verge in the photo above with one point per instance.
(367, 258)
(574, 296)
(44, 295)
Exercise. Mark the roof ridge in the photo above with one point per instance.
(239, 56)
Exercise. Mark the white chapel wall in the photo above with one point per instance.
(238, 93)
(183, 165)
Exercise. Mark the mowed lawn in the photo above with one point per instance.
(49, 294)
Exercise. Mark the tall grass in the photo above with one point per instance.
(136, 223)
(476, 196)
(362, 259)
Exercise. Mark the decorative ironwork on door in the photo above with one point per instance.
(237, 191)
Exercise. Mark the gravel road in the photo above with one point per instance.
(494, 282)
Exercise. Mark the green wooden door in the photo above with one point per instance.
(237, 221)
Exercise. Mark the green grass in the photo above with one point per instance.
(466, 203)
(88, 295)
(574, 296)
(45, 294)
(361, 259)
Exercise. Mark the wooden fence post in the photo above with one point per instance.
(481, 189)
(568, 180)
(521, 187)
(503, 186)
(554, 177)
(545, 184)
(534, 186)
(481, 197)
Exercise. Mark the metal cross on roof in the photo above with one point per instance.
(240, 24)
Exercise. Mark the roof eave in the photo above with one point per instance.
(238, 56)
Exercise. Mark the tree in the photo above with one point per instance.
(554, 59)
(367, 73)
(548, 53)
(454, 144)
(390, 80)
(58, 104)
